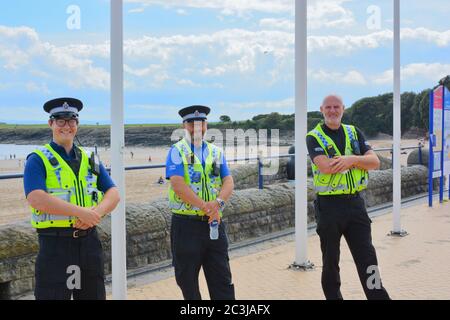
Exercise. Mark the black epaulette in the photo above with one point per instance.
(54, 162)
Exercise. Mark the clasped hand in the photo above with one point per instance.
(341, 163)
(211, 209)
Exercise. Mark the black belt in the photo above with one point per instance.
(71, 233)
(191, 217)
(339, 196)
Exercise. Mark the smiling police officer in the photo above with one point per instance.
(69, 192)
(341, 158)
(200, 185)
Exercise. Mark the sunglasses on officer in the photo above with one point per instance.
(195, 120)
(62, 122)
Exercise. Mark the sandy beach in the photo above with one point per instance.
(141, 185)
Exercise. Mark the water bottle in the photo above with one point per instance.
(214, 230)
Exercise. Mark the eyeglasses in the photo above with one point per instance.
(62, 122)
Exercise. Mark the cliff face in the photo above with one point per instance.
(93, 136)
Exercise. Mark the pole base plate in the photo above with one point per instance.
(401, 233)
(307, 266)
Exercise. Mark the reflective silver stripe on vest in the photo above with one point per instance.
(329, 188)
(48, 154)
(339, 187)
(49, 217)
(175, 206)
(181, 206)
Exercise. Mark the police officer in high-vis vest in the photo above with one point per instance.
(341, 158)
(200, 185)
(69, 191)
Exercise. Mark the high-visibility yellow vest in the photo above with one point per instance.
(202, 181)
(354, 180)
(61, 182)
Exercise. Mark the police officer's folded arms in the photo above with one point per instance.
(341, 158)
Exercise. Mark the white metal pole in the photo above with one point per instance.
(301, 191)
(118, 229)
(397, 182)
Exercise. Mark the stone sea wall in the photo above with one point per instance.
(250, 213)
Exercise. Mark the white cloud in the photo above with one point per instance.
(223, 52)
(90, 51)
(329, 14)
(440, 38)
(351, 77)
(187, 82)
(216, 71)
(321, 13)
(150, 70)
(12, 57)
(24, 33)
(348, 43)
(158, 76)
(286, 105)
(229, 7)
(156, 60)
(27, 86)
(415, 71)
(21, 49)
(36, 87)
(272, 23)
(136, 10)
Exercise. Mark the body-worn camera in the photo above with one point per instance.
(355, 147)
(94, 162)
(331, 151)
(216, 168)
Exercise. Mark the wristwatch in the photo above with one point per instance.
(221, 203)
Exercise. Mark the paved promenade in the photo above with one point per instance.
(413, 267)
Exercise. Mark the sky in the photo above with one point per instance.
(235, 56)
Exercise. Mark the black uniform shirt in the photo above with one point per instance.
(338, 136)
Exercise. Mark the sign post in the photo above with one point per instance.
(436, 138)
(446, 139)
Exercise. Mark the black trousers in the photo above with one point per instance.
(61, 260)
(339, 216)
(192, 249)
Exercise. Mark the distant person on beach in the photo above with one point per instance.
(149, 158)
(132, 154)
(69, 191)
(200, 185)
(341, 158)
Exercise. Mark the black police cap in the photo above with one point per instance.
(196, 112)
(63, 107)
